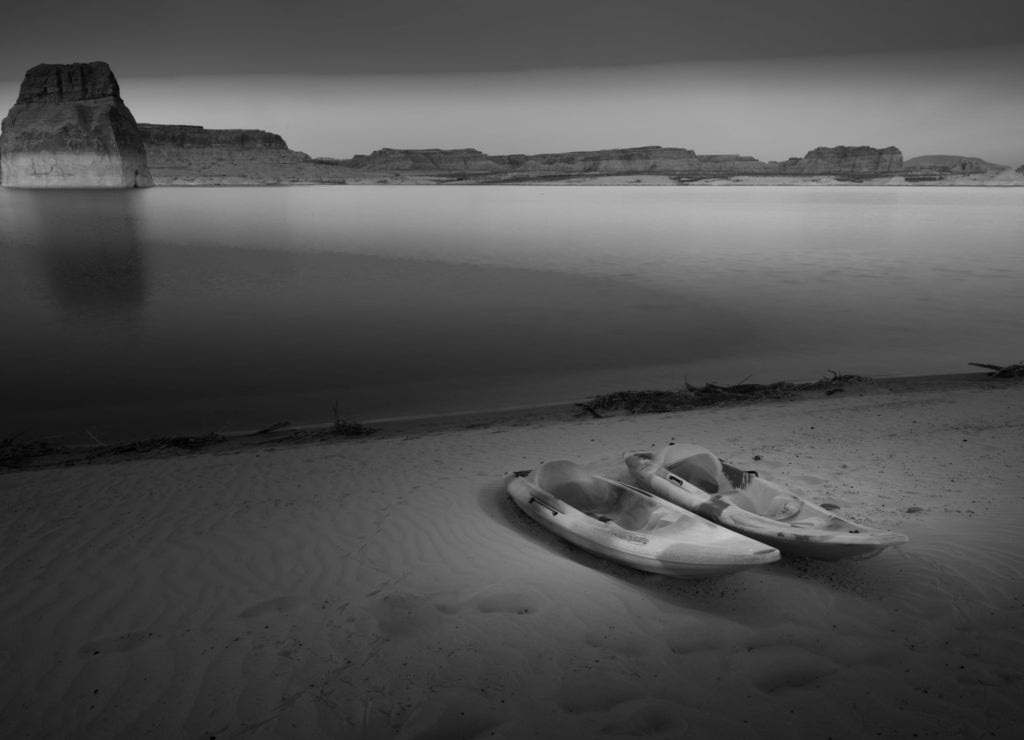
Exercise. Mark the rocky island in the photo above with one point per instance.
(69, 128)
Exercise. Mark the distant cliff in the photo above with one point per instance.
(845, 160)
(685, 163)
(732, 164)
(175, 137)
(433, 160)
(69, 128)
(647, 159)
(641, 159)
(196, 155)
(951, 164)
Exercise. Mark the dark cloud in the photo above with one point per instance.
(424, 36)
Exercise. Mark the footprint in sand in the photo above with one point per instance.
(650, 719)
(498, 601)
(455, 715)
(512, 602)
(403, 614)
(782, 667)
(810, 480)
(621, 642)
(595, 694)
(119, 644)
(271, 606)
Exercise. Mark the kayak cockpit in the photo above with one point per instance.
(604, 499)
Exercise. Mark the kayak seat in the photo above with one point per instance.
(699, 470)
(741, 500)
(581, 490)
(779, 507)
(782, 507)
(644, 516)
(585, 498)
(735, 477)
(602, 499)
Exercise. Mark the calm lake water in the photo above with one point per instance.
(181, 310)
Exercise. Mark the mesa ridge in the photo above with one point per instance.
(70, 128)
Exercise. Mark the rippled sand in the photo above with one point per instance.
(386, 588)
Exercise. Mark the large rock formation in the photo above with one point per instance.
(638, 160)
(195, 155)
(648, 159)
(951, 164)
(861, 162)
(176, 137)
(433, 160)
(732, 164)
(69, 128)
(845, 160)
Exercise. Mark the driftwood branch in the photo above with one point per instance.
(1002, 371)
(274, 427)
(691, 396)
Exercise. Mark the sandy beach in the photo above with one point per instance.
(386, 586)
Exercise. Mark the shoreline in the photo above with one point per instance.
(567, 410)
(38, 454)
(385, 586)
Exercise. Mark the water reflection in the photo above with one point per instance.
(392, 301)
(89, 251)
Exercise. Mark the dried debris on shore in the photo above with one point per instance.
(19, 452)
(710, 394)
(1002, 371)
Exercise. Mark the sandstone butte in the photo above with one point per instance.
(69, 128)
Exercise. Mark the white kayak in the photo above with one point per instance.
(624, 524)
(695, 479)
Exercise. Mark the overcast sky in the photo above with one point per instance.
(768, 78)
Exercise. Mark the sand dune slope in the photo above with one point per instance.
(387, 588)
